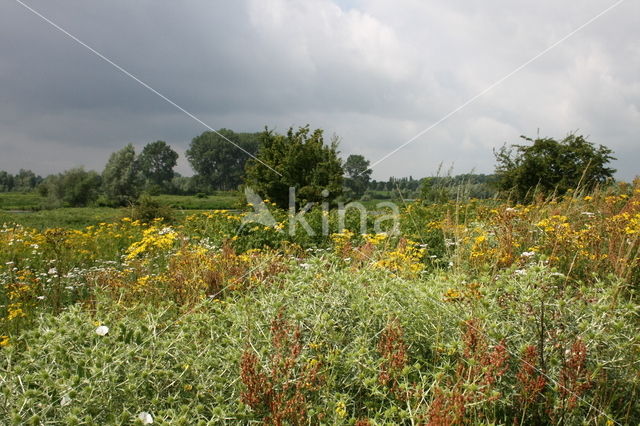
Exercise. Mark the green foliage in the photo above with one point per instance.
(25, 181)
(121, 178)
(185, 185)
(304, 163)
(220, 200)
(156, 163)
(152, 357)
(21, 200)
(218, 163)
(147, 208)
(440, 189)
(549, 166)
(512, 315)
(6, 181)
(73, 188)
(358, 175)
(85, 216)
(67, 217)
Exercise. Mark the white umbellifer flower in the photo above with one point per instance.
(102, 330)
(52, 271)
(528, 254)
(305, 265)
(145, 418)
(65, 401)
(520, 272)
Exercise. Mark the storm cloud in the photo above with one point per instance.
(374, 72)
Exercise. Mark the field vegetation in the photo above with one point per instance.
(477, 312)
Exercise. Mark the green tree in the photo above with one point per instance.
(121, 180)
(303, 162)
(358, 175)
(75, 187)
(6, 181)
(219, 164)
(549, 166)
(25, 181)
(183, 185)
(156, 163)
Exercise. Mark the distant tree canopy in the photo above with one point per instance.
(302, 160)
(156, 163)
(439, 189)
(6, 181)
(358, 175)
(549, 166)
(74, 188)
(24, 181)
(304, 163)
(121, 178)
(217, 162)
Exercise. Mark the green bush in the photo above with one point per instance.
(146, 209)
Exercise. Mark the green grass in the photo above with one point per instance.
(26, 209)
(185, 367)
(20, 201)
(219, 201)
(205, 331)
(372, 204)
(76, 218)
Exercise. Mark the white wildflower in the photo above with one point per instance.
(102, 330)
(65, 401)
(145, 418)
(166, 230)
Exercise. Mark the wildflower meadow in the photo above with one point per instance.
(471, 312)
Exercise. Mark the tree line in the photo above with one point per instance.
(271, 163)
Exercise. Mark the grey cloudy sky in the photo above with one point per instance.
(374, 72)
